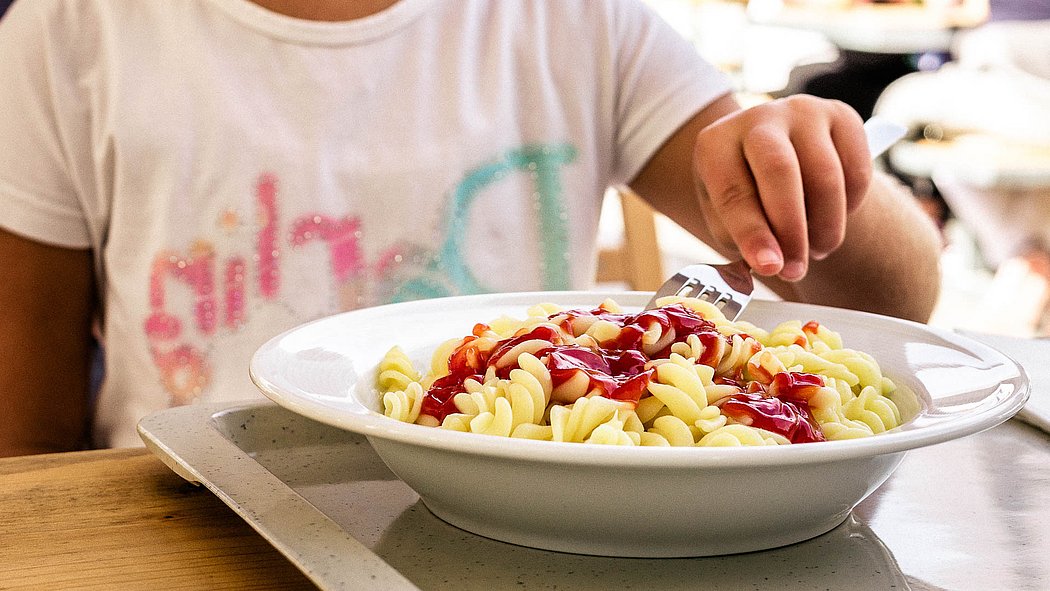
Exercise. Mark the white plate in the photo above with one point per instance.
(618, 501)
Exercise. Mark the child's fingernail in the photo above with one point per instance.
(818, 255)
(793, 271)
(768, 260)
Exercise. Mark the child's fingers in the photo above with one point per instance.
(774, 166)
(734, 202)
(847, 132)
(825, 192)
(780, 179)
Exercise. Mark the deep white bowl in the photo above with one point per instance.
(633, 501)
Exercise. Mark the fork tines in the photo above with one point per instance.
(694, 288)
(728, 287)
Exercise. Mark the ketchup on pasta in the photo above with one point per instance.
(783, 408)
(617, 368)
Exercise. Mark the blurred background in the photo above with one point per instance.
(970, 79)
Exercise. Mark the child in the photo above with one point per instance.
(198, 176)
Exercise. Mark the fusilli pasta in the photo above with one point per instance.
(680, 375)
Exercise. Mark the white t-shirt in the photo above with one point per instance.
(238, 172)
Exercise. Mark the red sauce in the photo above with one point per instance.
(541, 333)
(683, 321)
(438, 401)
(466, 361)
(783, 409)
(809, 330)
(795, 386)
(616, 369)
(620, 375)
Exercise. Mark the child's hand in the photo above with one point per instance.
(779, 179)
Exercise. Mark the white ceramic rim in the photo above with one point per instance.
(1012, 393)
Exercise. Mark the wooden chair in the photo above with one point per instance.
(638, 260)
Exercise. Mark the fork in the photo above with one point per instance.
(729, 286)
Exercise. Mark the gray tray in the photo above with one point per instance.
(325, 500)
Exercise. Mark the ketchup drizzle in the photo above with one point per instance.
(616, 369)
(782, 409)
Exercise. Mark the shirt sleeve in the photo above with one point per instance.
(42, 128)
(664, 82)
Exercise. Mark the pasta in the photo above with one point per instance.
(679, 375)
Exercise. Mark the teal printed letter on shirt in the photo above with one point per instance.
(447, 272)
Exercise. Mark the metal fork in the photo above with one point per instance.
(729, 286)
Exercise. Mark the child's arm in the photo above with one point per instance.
(47, 296)
(789, 180)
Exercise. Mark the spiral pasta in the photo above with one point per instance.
(679, 375)
(396, 371)
(404, 405)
